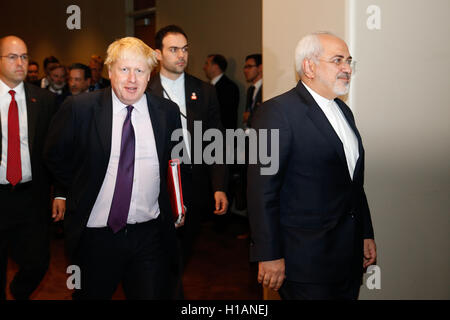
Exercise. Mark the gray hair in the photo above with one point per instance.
(309, 47)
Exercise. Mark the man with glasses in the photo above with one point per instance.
(198, 102)
(25, 113)
(311, 226)
(253, 75)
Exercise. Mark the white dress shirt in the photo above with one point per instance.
(174, 90)
(5, 100)
(341, 127)
(144, 197)
(257, 86)
(216, 79)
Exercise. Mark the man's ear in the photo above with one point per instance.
(158, 54)
(309, 68)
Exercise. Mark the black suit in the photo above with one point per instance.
(311, 213)
(228, 96)
(25, 209)
(101, 84)
(253, 104)
(199, 178)
(77, 153)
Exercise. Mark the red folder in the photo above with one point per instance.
(175, 190)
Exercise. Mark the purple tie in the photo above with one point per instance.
(124, 182)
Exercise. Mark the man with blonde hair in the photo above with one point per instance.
(311, 227)
(110, 150)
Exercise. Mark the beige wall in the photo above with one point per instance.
(401, 99)
(284, 23)
(43, 27)
(231, 28)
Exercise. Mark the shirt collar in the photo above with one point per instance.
(257, 84)
(216, 79)
(19, 89)
(321, 101)
(118, 105)
(170, 82)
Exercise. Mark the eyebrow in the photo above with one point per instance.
(341, 56)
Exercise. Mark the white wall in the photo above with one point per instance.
(401, 99)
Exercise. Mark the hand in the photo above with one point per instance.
(58, 209)
(181, 223)
(271, 273)
(370, 252)
(221, 202)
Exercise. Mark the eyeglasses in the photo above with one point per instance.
(339, 62)
(13, 57)
(175, 50)
(248, 66)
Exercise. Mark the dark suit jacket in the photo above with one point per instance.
(228, 96)
(205, 109)
(256, 105)
(311, 213)
(78, 150)
(40, 110)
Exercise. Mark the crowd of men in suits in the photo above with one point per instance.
(104, 148)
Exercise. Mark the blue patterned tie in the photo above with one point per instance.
(120, 205)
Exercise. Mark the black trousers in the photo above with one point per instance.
(135, 256)
(23, 237)
(345, 290)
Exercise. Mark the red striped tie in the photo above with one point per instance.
(14, 166)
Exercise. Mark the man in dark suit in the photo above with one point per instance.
(310, 221)
(253, 75)
(110, 150)
(228, 96)
(97, 81)
(25, 114)
(227, 91)
(197, 102)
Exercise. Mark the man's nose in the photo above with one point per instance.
(131, 77)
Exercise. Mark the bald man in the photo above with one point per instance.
(25, 113)
(310, 222)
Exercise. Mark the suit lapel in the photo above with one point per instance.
(320, 120)
(157, 118)
(32, 114)
(191, 104)
(103, 120)
(346, 111)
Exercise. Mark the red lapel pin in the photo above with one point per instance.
(193, 96)
(33, 99)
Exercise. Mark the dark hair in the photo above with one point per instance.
(256, 56)
(87, 70)
(160, 35)
(220, 61)
(33, 63)
(51, 59)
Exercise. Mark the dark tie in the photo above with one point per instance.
(124, 182)
(250, 92)
(14, 165)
